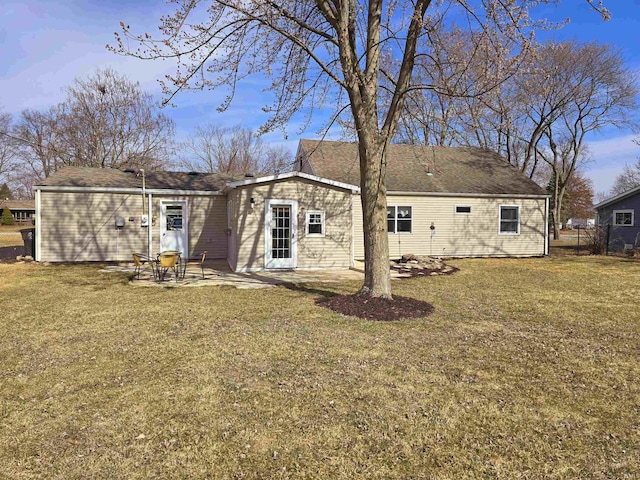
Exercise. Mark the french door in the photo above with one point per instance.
(281, 228)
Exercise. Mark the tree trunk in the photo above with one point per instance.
(377, 276)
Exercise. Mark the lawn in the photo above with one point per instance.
(10, 235)
(526, 369)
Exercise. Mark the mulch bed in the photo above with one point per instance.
(380, 309)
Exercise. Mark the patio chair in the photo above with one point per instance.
(139, 261)
(199, 262)
(168, 261)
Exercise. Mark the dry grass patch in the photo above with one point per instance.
(526, 369)
(11, 240)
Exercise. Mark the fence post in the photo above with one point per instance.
(578, 248)
(606, 251)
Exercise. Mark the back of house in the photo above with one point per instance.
(443, 201)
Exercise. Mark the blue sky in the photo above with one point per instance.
(46, 44)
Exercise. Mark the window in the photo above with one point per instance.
(623, 218)
(174, 217)
(509, 219)
(399, 219)
(463, 209)
(315, 223)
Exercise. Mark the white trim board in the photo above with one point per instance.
(284, 176)
(136, 191)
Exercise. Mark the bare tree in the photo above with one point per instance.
(626, 180)
(109, 121)
(326, 52)
(597, 91)
(105, 121)
(7, 150)
(237, 150)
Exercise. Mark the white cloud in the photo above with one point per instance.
(608, 159)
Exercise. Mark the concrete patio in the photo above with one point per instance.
(218, 273)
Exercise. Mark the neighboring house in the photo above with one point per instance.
(23, 211)
(306, 219)
(580, 223)
(621, 216)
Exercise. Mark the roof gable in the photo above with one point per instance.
(284, 176)
(423, 169)
(618, 198)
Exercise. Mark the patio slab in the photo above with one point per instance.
(219, 273)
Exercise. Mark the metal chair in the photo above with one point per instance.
(194, 263)
(139, 261)
(168, 261)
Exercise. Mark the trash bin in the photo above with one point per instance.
(29, 239)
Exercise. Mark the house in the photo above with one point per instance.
(22, 211)
(443, 201)
(620, 216)
(309, 218)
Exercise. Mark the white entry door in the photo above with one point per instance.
(173, 227)
(281, 229)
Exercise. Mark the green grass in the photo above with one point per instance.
(527, 369)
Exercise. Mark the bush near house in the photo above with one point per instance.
(7, 218)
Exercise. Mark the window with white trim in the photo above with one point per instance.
(623, 218)
(315, 223)
(463, 209)
(399, 219)
(509, 219)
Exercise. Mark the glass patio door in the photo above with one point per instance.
(281, 229)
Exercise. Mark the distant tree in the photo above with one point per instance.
(629, 178)
(237, 150)
(110, 122)
(105, 121)
(7, 218)
(7, 150)
(579, 201)
(5, 192)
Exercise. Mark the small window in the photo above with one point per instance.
(623, 218)
(315, 223)
(509, 219)
(174, 217)
(399, 219)
(463, 209)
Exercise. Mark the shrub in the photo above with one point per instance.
(595, 240)
(7, 218)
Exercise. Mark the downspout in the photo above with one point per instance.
(546, 221)
(150, 227)
(143, 188)
(38, 229)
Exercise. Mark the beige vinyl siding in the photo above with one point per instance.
(207, 221)
(474, 234)
(79, 227)
(331, 251)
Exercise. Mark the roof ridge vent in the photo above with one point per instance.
(129, 170)
(193, 173)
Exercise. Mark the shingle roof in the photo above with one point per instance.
(617, 198)
(113, 178)
(466, 170)
(18, 204)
